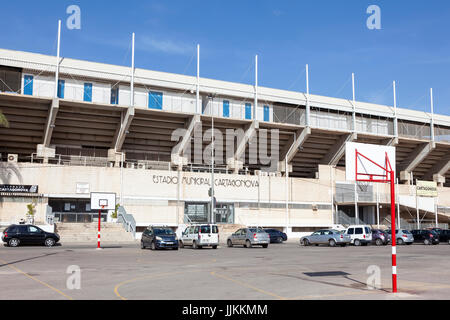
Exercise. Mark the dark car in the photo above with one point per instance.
(276, 236)
(159, 238)
(427, 237)
(22, 234)
(444, 235)
(380, 237)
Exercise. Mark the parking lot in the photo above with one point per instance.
(283, 271)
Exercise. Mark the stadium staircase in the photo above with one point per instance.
(87, 232)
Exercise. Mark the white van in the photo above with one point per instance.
(360, 235)
(199, 236)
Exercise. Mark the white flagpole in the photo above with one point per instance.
(57, 59)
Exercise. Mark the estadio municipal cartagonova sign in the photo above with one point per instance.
(18, 188)
(427, 189)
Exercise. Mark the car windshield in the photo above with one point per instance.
(406, 232)
(164, 232)
(256, 230)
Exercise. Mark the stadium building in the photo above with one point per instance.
(146, 136)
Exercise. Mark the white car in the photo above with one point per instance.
(360, 235)
(199, 236)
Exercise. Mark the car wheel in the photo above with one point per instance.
(248, 244)
(357, 243)
(305, 242)
(214, 247)
(194, 245)
(153, 245)
(142, 245)
(448, 241)
(379, 242)
(400, 242)
(49, 242)
(426, 242)
(229, 243)
(180, 244)
(13, 242)
(332, 243)
(265, 246)
(175, 248)
(280, 240)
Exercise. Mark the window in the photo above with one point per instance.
(33, 229)
(367, 230)
(155, 100)
(248, 111)
(22, 229)
(205, 229)
(266, 113)
(359, 231)
(196, 229)
(115, 95)
(226, 109)
(351, 231)
(61, 85)
(87, 92)
(28, 85)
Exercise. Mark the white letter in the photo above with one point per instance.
(74, 21)
(374, 21)
(74, 280)
(374, 280)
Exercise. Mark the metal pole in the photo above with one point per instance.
(378, 207)
(198, 81)
(436, 212)
(308, 108)
(212, 163)
(57, 59)
(356, 194)
(417, 209)
(132, 72)
(287, 195)
(393, 233)
(398, 206)
(395, 111)
(432, 115)
(121, 178)
(255, 108)
(354, 101)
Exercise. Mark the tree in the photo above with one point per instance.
(3, 121)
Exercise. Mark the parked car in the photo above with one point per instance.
(380, 237)
(16, 235)
(249, 237)
(330, 237)
(444, 236)
(426, 237)
(360, 235)
(276, 236)
(402, 237)
(200, 236)
(159, 238)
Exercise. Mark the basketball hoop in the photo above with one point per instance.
(366, 164)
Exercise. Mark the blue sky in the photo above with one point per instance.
(413, 46)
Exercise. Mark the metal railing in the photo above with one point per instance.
(127, 220)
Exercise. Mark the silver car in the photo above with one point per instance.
(330, 237)
(402, 237)
(249, 237)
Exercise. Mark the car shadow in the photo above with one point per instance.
(28, 259)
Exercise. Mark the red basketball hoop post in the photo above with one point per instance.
(388, 177)
(99, 226)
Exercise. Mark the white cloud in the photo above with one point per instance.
(167, 46)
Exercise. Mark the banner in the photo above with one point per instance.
(427, 189)
(18, 188)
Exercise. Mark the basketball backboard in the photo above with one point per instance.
(103, 201)
(370, 160)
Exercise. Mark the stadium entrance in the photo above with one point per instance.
(74, 211)
(197, 212)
